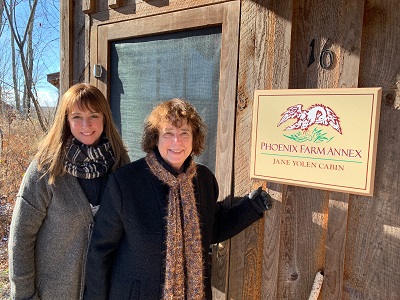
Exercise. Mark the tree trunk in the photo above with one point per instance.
(14, 61)
(26, 60)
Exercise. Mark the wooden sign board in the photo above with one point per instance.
(317, 138)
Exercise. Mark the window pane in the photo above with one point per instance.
(147, 70)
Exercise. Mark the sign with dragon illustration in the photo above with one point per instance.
(318, 138)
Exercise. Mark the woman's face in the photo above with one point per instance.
(175, 143)
(86, 126)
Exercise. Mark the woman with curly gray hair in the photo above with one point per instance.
(160, 215)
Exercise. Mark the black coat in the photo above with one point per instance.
(127, 250)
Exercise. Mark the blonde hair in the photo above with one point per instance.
(174, 111)
(52, 149)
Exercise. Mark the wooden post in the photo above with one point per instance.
(66, 36)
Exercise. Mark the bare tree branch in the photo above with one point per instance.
(26, 57)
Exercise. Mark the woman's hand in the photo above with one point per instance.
(262, 198)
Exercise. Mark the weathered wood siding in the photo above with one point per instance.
(354, 240)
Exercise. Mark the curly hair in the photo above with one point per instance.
(174, 111)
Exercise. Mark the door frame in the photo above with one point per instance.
(227, 15)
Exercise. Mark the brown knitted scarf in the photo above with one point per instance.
(184, 261)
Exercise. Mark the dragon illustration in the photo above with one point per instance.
(316, 114)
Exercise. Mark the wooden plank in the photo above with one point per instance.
(194, 18)
(220, 269)
(318, 27)
(380, 51)
(350, 41)
(89, 6)
(373, 239)
(279, 20)
(79, 47)
(271, 243)
(87, 42)
(93, 53)
(244, 247)
(279, 27)
(264, 39)
(238, 243)
(333, 268)
(302, 241)
(103, 58)
(226, 127)
(253, 261)
(115, 3)
(348, 63)
(132, 10)
(66, 47)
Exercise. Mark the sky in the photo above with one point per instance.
(46, 40)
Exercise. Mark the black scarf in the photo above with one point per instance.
(89, 162)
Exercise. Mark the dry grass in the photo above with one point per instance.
(4, 282)
(17, 148)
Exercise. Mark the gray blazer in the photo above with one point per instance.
(49, 237)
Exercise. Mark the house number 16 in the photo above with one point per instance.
(325, 57)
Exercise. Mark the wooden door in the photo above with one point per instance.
(107, 36)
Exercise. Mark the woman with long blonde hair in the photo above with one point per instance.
(59, 195)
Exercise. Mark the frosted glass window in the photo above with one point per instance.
(147, 70)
